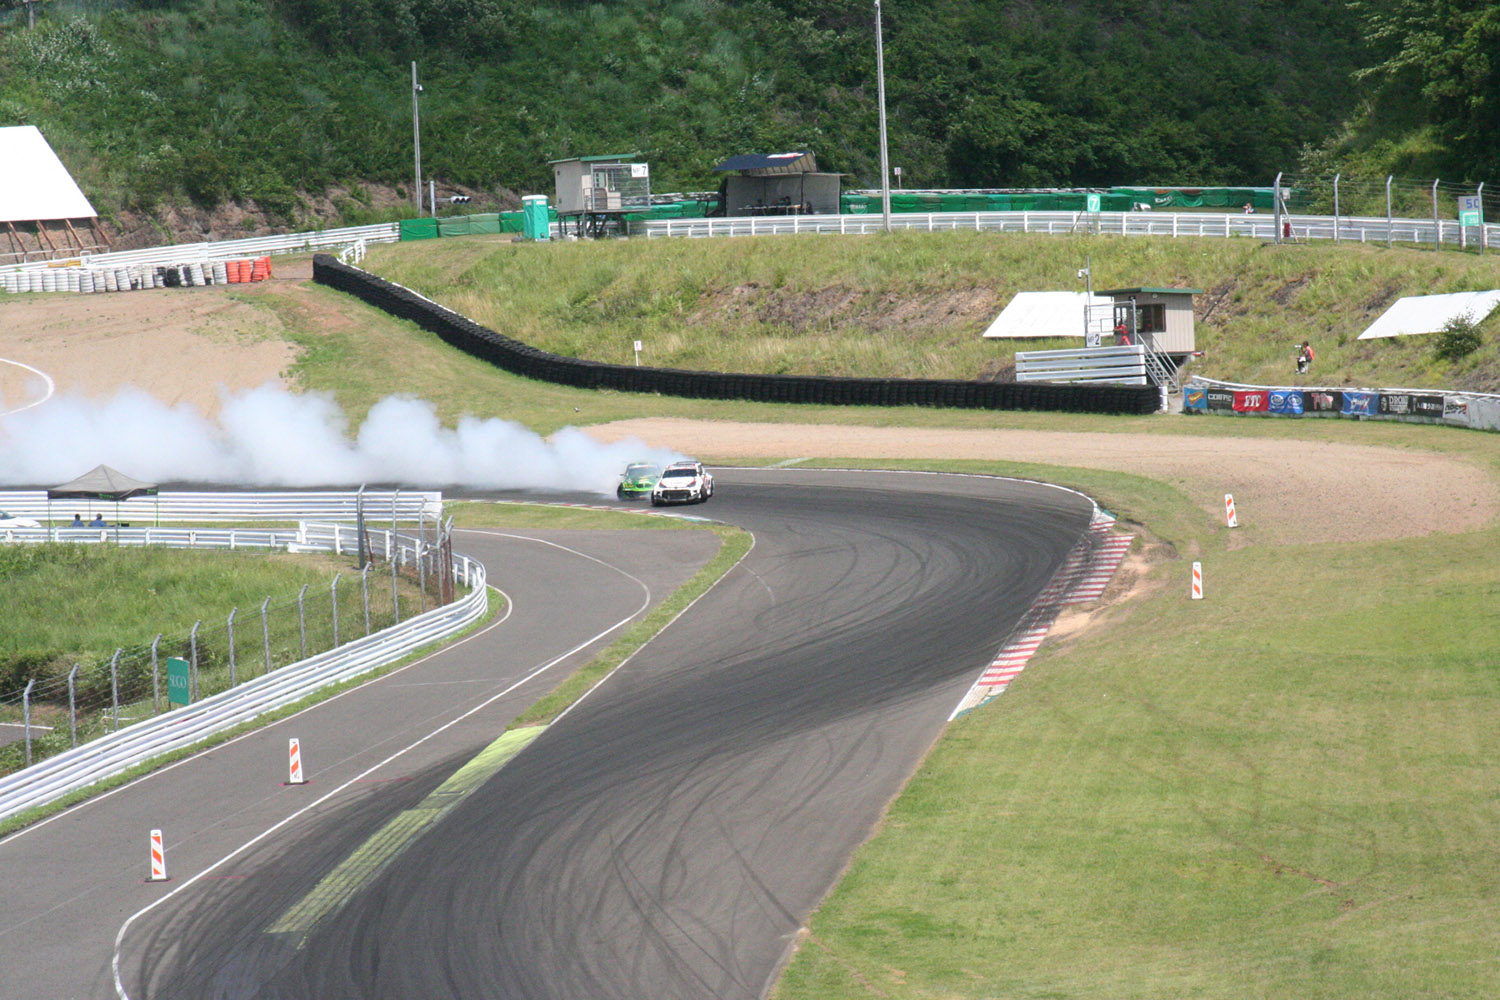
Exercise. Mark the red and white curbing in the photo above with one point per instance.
(294, 754)
(158, 859)
(1083, 576)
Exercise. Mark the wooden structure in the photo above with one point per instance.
(43, 214)
(594, 192)
(1160, 318)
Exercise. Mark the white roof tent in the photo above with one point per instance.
(777, 184)
(41, 208)
(594, 191)
(1416, 314)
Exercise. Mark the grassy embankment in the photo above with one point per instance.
(915, 304)
(1287, 789)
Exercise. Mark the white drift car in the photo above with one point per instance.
(682, 482)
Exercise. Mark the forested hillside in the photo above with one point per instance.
(267, 100)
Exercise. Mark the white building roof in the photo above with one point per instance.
(1427, 313)
(34, 184)
(1050, 314)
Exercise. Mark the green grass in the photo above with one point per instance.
(915, 304)
(1286, 789)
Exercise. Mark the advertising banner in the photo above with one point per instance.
(1456, 409)
(1251, 400)
(1194, 397)
(1361, 404)
(1427, 406)
(1323, 401)
(1395, 404)
(1220, 399)
(1288, 401)
(179, 687)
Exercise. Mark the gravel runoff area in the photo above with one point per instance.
(1293, 491)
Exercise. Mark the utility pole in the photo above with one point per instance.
(416, 137)
(885, 159)
(30, 13)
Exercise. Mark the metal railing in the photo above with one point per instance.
(117, 752)
(1208, 225)
(383, 505)
(325, 239)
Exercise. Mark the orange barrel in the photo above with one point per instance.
(232, 270)
(267, 262)
(257, 270)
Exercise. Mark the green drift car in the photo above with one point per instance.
(638, 481)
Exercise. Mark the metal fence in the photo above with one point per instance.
(187, 253)
(1209, 225)
(386, 505)
(58, 710)
(119, 750)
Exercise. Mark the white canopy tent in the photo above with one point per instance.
(1415, 314)
(1051, 314)
(42, 208)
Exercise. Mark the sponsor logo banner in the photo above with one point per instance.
(1323, 402)
(1194, 397)
(1251, 401)
(1361, 404)
(1286, 401)
(1395, 404)
(1220, 399)
(1456, 409)
(1427, 406)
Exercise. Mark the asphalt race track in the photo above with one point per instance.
(667, 837)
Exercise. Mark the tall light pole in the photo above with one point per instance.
(885, 159)
(416, 136)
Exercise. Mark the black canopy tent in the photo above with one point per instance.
(101, 483)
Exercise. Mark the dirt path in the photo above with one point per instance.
(179, 344)
(1292, 492)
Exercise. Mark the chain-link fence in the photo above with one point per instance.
(61, 708)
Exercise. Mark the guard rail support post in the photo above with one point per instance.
(1389, 221)
(395, 591)
(193, 642)
(1336, 206)
(421, 578)
(364, 587)
(73, 704)
(302, 621)
(155, 676)
(1437, 227)
(230, 625)
(265, 631)
(114, 689)
(333, 593)
(26, 716)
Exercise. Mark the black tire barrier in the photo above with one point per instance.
(529, 362)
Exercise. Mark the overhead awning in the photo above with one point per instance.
(102, 483)
(34, 184)
(1414, 314)
(770, 164)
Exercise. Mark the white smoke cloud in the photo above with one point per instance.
(271, 437)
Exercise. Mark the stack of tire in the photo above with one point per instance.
(124, 279)
(530, 362)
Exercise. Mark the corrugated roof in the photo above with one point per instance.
(1149, 291)
(610, 157)
(34, 184)
(764, 164)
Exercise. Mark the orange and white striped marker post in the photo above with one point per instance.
(294, 754)
(1233, 521)
(158, 859)
(1197, 581)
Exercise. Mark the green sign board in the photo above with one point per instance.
(179, 689)
(1092, 202)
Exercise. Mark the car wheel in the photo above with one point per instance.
(619, 493)
(656, 501)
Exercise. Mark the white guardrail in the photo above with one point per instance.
(1355, 229)
(114, 754)
(257, 246)
(379, 505)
